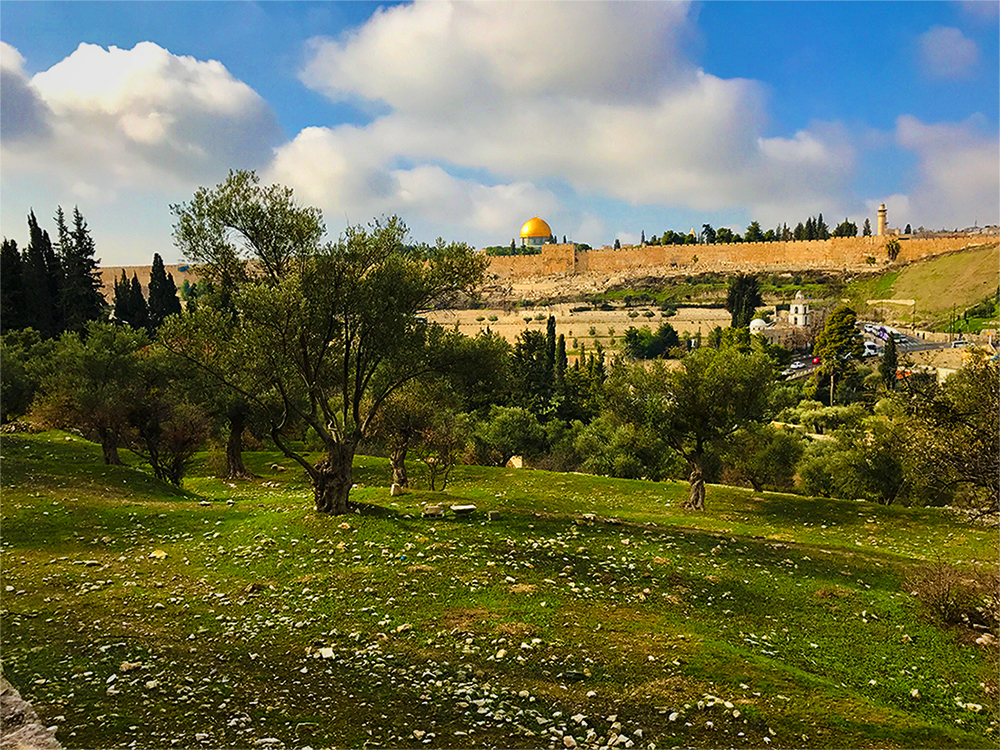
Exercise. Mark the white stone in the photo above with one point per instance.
(568, 741)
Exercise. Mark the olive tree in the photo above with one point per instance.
(325, 332)
(698, 407)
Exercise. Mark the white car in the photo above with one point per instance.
(796, 365)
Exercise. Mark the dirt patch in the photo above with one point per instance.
(518, 629)
(465, 620)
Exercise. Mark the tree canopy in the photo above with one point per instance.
(326, 332)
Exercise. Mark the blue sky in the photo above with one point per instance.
(468, 118)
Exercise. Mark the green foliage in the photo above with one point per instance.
(508, 431)
(329, 331)
(695, 409)
(642, 343)
(889, 364)
(23, 354)
(743, 298)
(763, 456)
(839, 345)
(954, 429)
(163, 300)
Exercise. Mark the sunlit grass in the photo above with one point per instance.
(576, 595)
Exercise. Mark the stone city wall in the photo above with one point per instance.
(834, 253)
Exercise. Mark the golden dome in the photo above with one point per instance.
(536, 228)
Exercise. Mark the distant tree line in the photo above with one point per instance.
(813, 228)
(53, 288)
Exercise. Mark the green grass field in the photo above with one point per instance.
(135, 614)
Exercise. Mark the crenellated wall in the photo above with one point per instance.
(834, 253)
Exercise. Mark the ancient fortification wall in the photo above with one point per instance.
(835, 253)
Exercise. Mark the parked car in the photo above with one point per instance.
(817, 360)
(797, 365)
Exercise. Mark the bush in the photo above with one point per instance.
(492, 318)
(959, 597)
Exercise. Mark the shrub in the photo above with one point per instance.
(492, 318)
(959, 597)
(480, 319)
(648, 314)
(633, 314)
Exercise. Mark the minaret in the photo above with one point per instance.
(882, 225)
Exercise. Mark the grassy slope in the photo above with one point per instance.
(958, 280)
(792, 610)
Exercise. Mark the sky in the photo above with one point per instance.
(608, 120)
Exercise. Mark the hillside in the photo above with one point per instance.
(955, 281)
(567, 610)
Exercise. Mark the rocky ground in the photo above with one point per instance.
(20, 728)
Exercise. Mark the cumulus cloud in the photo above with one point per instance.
(599, 96)
(959, 182)
(23, 114)
(343, 171)
(121, 119)
(946, 53)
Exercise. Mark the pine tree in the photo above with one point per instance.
(163, 299)
(908, 230)
(12, 312)
(866, 230)
(80, 297)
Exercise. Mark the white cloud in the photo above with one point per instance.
(946, 53)
(23, 115)
(122, 119)
(345, 172)
(959, 181)
(597, 95)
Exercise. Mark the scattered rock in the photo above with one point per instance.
(396, 490)
(21, 726)
(157, 554)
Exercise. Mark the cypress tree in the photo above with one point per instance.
(890, 361)
(41, 281)
(12, 312)
(550, 351)
(122, 300)
(866, 230)
(163, 299)
(561, 361)
(137, 307)
(822, 230)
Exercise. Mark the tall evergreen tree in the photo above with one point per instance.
(163, 300)
(822, 230)
(80, 296)
(550, 349)
(137, 307)
(743, 299)
(12, 303)
(121, 300)
(890, 361)
(41, 277)
(866, 230)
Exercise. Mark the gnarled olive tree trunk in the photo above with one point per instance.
(109, 446)
(333, 477)
(235, 468)
(397, 460)
(696, 496)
